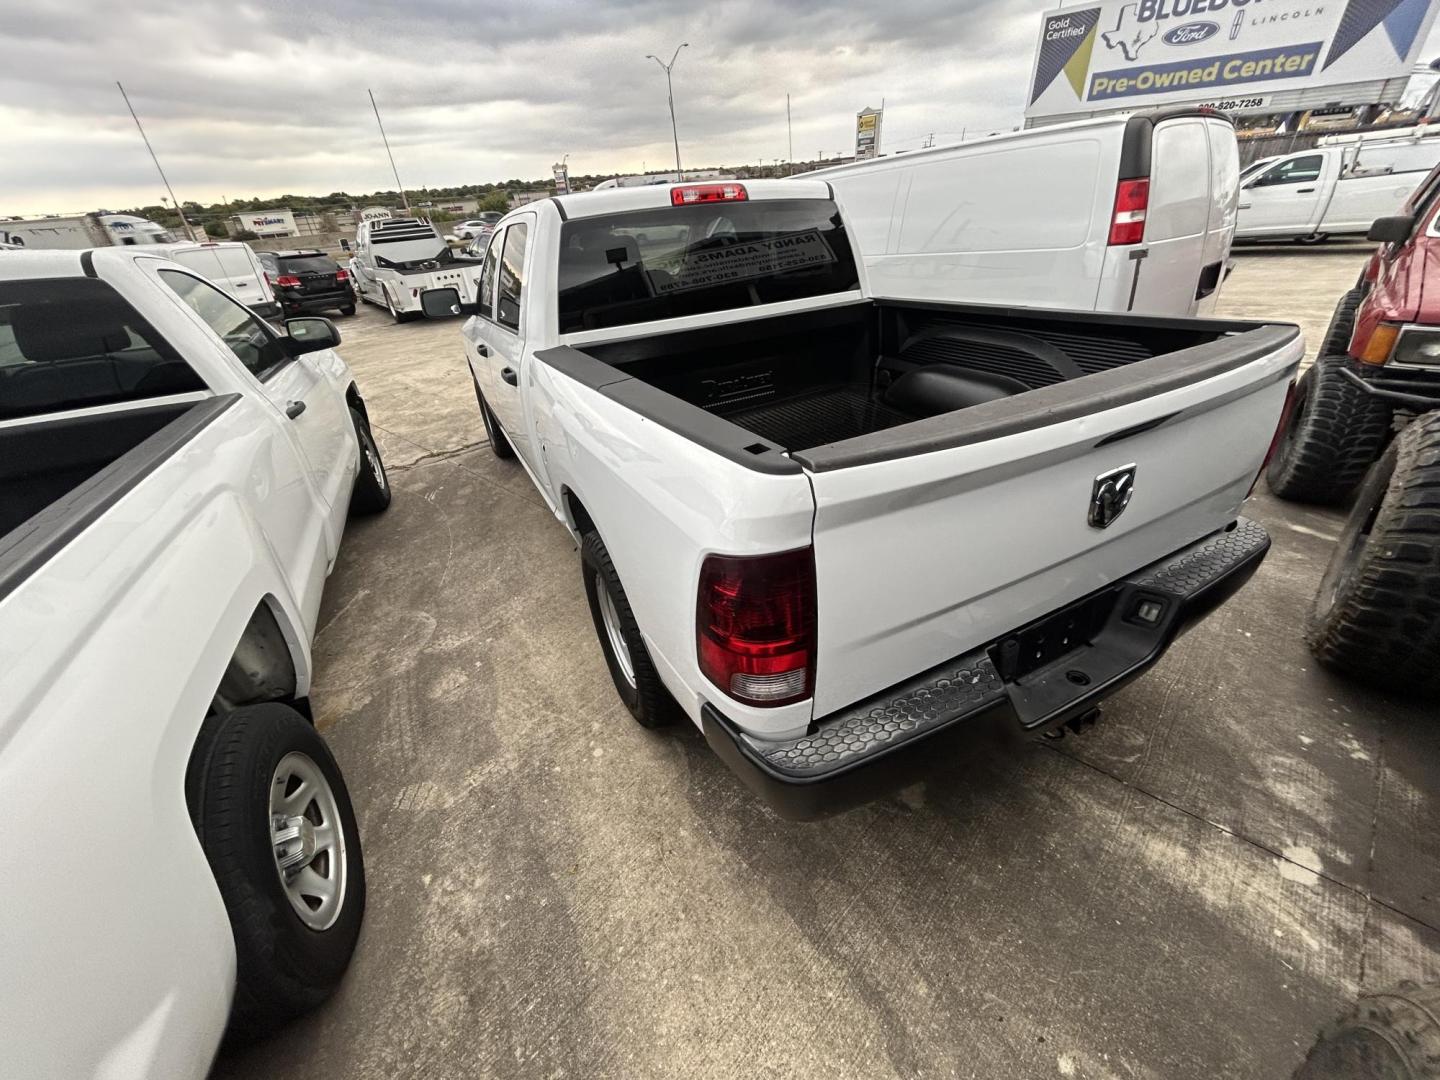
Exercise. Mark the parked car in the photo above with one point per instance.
(234, 267)
(476, 226)
(831, 529)
(309, 281)
(396, 259)
(1335, 189)
(1123, 213)
(178, 849)
(1366, 429)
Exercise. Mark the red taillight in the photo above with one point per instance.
(1285, 412)
(342, 275)
(1127, 226)
(700, 193)
(755, 626)
(287, 280)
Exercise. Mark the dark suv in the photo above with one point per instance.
(308, 281)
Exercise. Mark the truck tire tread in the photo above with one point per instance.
(1383, 621)
(499, 444)
(371, 493)
(1334, 434)
(1394, 1033)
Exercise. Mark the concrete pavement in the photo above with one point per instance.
(1187, 890)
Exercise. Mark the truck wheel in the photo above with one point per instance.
(1392, 1035)
(275, 820)
(631, 668)
(499, 444)
(371, 493)
(1335, 432)
(1336, 341)
(1377, 613)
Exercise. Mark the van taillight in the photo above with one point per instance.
(755, 626)
(1127, 226)
(700, 193)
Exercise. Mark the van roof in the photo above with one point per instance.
(1138, 125)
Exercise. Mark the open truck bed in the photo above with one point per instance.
(880, 379)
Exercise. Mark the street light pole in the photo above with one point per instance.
(670, 91)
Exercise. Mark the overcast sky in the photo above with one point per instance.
(245, 99)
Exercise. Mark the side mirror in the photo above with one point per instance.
(1391, 230)
(445, 303)
(310, 335)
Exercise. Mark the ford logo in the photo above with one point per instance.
(1190, 33)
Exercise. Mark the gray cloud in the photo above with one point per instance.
(261, 98)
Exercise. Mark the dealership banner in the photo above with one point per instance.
(868, 123)
(1147, 52)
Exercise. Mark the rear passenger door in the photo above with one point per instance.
(504, 307)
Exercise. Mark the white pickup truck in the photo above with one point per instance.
(836, 529)
(177, 846)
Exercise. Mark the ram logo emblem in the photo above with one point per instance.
(1110, 495)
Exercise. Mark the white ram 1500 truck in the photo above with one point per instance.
(836, 529)
(175, 838)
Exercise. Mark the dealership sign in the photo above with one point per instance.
(868, 123)
(1146, 52)
(269, 223)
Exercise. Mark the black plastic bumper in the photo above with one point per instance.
(1026, 683)
(317, 301)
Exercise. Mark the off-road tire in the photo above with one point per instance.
(1377, 612)
(1334, 433)
(648, 700)
(371, 493)
(1391, 1035)
(283, 967)
(1336, 341)
(499, 444)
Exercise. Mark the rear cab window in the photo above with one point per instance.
(76, 343)
(644, 265)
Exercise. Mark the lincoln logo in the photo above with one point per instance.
(1190, 33)
(1111, 495)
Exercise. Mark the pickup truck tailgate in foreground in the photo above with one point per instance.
(924, 557)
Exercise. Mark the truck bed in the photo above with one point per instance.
(58, 474)
(813, 380)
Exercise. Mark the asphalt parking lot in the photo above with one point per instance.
(1189, 889)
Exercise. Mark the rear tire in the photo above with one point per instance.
(631, 669)
(499, 444)
(1391, 1035)
(1335, 432)
(348, 309)
(1377, 612)
(371, 493)
(286, 963)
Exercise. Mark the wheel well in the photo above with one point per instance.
(356, 402)
(261, 668)
(580, 519)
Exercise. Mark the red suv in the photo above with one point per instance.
(1366, 426)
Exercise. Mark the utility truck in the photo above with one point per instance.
(177, 846)
(397, 259)
(835, 530)
(81, 231)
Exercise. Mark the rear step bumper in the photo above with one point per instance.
(1027, 683)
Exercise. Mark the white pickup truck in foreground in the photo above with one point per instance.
(834, 529)
(175, 838)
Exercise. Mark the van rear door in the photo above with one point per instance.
(1183, 258)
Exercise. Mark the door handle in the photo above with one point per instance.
(1243, 206)
(481, 349)
(294, 408)
(1305, 191)
(508, 374)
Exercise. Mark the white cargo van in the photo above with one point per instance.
(1335, 188)
(234, 267)
(1123, 213)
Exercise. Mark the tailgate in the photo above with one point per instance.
(984, 524)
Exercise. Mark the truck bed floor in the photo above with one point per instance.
(815, 417)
